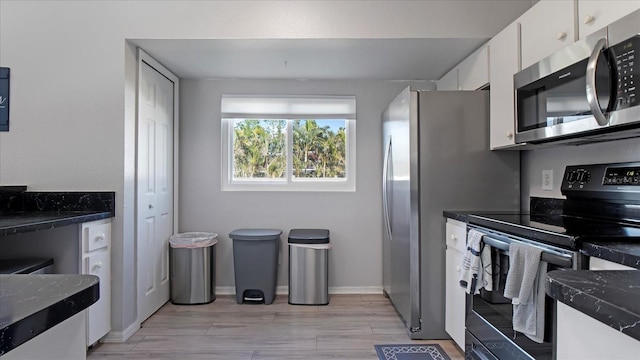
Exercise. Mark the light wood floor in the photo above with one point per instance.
(347, 328)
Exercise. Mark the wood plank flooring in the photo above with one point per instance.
(347, 328)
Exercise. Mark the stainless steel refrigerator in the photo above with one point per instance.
(436, 158)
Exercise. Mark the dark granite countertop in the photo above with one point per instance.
(26, 221)
(32, 304)
(625, 253)
(462, 215)
(609, 296)
(23, 211)
(457, 215)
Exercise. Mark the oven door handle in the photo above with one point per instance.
(549, 256)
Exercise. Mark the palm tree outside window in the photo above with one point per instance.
(282, 148)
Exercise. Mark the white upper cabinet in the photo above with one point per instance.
(545, 28)
(449, 81)
(596, 14)
(473, 72)
(503, 65)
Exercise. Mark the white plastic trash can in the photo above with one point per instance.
(309, 266)
(192, 265)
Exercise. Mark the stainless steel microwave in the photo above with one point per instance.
(588, 90)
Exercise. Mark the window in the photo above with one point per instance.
(288, 143)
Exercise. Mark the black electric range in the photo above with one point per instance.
(603, 204)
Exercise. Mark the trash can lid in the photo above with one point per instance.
(255, 234)
(193, 240)
(308, 236)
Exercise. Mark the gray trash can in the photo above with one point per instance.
(255, 264)
(192, 263)
(309, 266)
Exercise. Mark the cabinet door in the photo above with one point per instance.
(99, 314)
(449, 81)
(545, 28)
(572, 344)
(503, 64)
(594, 15)
(455, 295)
(600, 264)
(473, 72)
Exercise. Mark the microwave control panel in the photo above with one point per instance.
(628, 72)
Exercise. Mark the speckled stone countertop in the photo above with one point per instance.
(26, 221)
(610, 296)
(22, 211)
(32, 304)
(463, 215)
(625, 253)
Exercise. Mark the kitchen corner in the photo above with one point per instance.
(31, 305)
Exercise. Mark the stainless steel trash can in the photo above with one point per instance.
(309, 266)
(255, 264)
(192, 266)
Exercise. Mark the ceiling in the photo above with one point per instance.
(311, 59)
(450, 31)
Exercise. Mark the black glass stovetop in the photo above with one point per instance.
(561, 229)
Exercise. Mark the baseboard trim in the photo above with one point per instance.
(121, 336)
(284, 290)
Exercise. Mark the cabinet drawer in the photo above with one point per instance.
(456, 235)
(95, 236)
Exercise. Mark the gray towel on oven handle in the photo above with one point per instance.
(525, 288)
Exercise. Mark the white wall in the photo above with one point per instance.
(557, 158)
(352, 217)
(72, 86)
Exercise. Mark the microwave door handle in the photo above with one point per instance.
(592, 94)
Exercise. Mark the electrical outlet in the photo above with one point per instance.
(547, 179)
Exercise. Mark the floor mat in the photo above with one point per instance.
(411, 352)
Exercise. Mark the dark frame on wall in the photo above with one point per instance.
(4, 98)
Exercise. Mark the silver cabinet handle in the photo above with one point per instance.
(592, 94)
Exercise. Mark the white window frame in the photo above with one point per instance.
(346, 184)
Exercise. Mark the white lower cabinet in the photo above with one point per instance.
(63, 341)
(455, 295)
(593, 341)
(600, 264)
(96, 260)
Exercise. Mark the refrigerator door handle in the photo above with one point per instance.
(385, 193)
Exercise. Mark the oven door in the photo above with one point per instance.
(489, 321)
(557, 97)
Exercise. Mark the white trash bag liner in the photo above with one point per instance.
(192, 240)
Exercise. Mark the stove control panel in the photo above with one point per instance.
(619, 181)
(622, 176)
